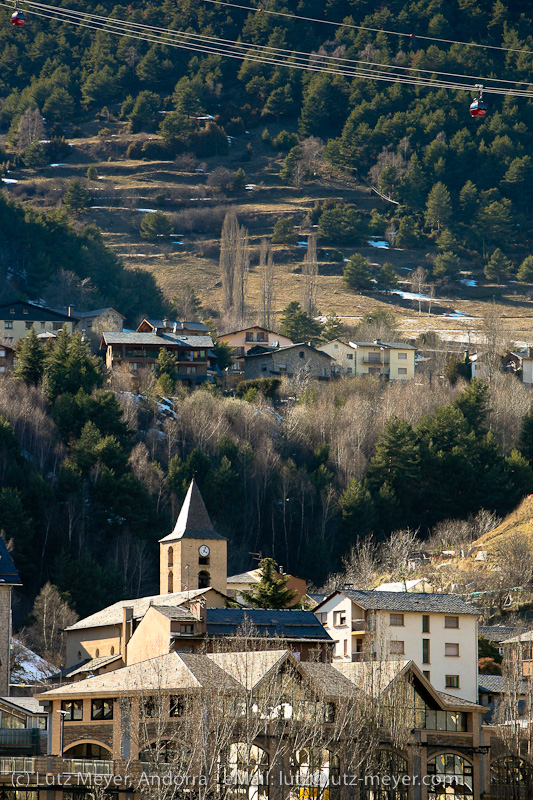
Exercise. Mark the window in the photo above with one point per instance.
(101, 709)
(24, 310)
(396, 619)
(135, 366)
(335, 346)
(329, 712)
(264, 368)
(339, 618)
(2, 369)
(451, 649)
(11, 310)
(425, 623)
(349, 355)
(451, 622)
(2, 353)
(203, 561)
(425, 651)
(8, 325)
(301, 353)
(204, 579)
(188, 628)
(452, 777)
(322, 617)
(150, 707)
(170, 582)
(177, 705)
(29, 325)
(191, 370)
(346, 647)
(402, 355)
(452, 681)
(402, 370)
(74, 709)
(283, 368)
(397, 648)
(56, 326)
(374, 357)
(425, 673)
(97, 653)
(43, 325)
(112, 651)
(170, 557)
(249, 336)
(348, 370)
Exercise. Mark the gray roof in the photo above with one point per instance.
(183, 339)
(386, 345)
(8, 571)
(496, 633)
(160, 323)
(96, 312)
(112, 615)
(287, 624)
(193, 521)
(32, 311)
(90, 665)
(30, 705)
(290, 347)
(491, 683)
(176, 613)
(407, 601)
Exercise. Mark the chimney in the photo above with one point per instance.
(165, 323)
(197, 607)
(127, 625)
(71, 311)
(280, 569)
(175, 328)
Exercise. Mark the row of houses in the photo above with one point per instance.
(178, 683)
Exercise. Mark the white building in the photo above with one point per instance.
(343, 355)
(437, 631)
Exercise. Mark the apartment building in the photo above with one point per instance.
(437, 631)
(19, 317)
(390, 361)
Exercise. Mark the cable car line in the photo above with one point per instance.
(266, 55)
(408, 35)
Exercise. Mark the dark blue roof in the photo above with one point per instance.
(8, 571)
(285, 624)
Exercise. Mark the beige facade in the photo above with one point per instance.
(343, 355)
(390, 361)
(18, 318)
(243, 341)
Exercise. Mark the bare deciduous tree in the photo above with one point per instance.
(234, 264)
(30, 128)
(267, 284)
(52, 614)
(310, 277)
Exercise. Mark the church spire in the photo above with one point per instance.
(193, 521)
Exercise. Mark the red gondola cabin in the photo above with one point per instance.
(478, 108)
(18, 17)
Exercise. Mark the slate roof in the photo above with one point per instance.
(35, 313)
(96, 312)
(193, 521)
(318, 598)
(183, 339)
(191, 326)
(29, 705)
(496, 633)
(287, 624)
(526, 636)
(407, 601)
(494, 684)
(90, 665)
(112, 615)
(290, 347)
(176, 613)
(252, 576)
(8, 571)
(249, 668)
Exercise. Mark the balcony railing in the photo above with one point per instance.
(86, 766)
(11, 764)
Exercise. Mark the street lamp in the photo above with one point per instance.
(62, 729)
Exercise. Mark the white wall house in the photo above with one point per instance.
(342, 353)
(437, 631)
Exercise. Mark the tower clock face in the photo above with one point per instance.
(203, 550)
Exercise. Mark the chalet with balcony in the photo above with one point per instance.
(437, 631)
(390, 361)
(138, 352)
(244, 340)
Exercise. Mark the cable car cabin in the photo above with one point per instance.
(18, 17)
(478, 108)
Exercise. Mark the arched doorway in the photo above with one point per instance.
(244, 772)
(450, 776)
(390, 765)
(204, 579)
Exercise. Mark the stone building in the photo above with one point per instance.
(294, 361)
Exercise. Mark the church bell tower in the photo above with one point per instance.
(194, 555)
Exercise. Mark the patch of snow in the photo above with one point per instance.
(302, 244)
(29, 667)
(468, 282)
(411, 295)
(148, 210)
(378, 243)
(250, 187)
(457, 315)
(9, 180)
(59, 165)
(199, 169)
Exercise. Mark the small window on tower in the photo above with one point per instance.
(170, 557)
(170, 587)
(204, 580)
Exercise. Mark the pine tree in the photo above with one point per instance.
(498, 266)
(525, 440)
(76, 197)
(298, 325)
(357, 273)
(30, 359)
(271, 591)
(525, 270)
(154, 225)
(438, 206)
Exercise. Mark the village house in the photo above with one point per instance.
(390, 361)
(138, 352)
(437, 631)
(19, 317)
(245, 581)
(172, 326)
(295, 360)
(343, 355)
(244, 340)
(7, 357)
(521, 363)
